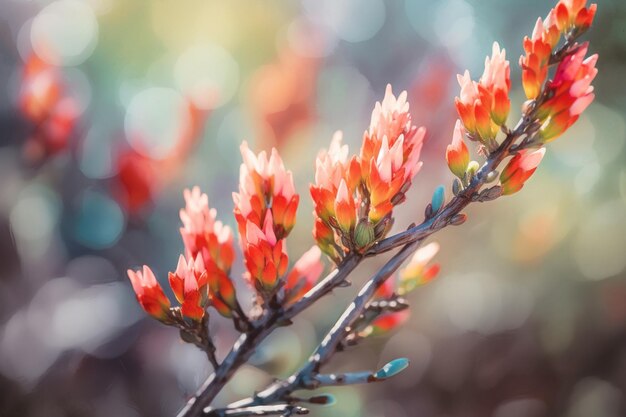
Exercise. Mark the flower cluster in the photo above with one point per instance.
(484, 106)
(555, 106)
(568, 17)
(354, 198)
(201, 277)
(265, 211)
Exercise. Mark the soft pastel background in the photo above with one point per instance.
(528, 317)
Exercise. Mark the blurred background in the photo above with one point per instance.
(109, 108)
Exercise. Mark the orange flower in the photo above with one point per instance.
(303, 275)
(203, 235)
(345, 209)
(483, 106)
(519, 169)
(265, 256)
(457, 154)
(149, 293)
(189, 283)
(572, 14)
(325, 238)
(571, 91)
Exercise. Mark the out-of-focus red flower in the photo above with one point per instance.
(519, 169)
(418, 271)
(45, 102)
(149, 293)
(304, 274)
(386, 323)
(136, 179)
(265, 210)
(140, 177)
(483, 106)
(189, 283)
(204, 236)
(571, 91)
(282, 97)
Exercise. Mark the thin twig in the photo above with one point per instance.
(259, 410)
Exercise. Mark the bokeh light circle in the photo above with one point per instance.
(599, 245)
(64, 32)
(352, 20)
(155, 120)
(208, 75)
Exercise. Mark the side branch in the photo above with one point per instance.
(306, 377)
(247, 342)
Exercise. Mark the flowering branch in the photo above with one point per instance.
(354, 198)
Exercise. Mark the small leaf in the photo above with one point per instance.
(458, 219)
(456, 186)
(438, 198)
(392, 368)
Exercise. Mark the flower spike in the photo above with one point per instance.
(204, 236)
(265, 210)
(484, 106)
(354, 197)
